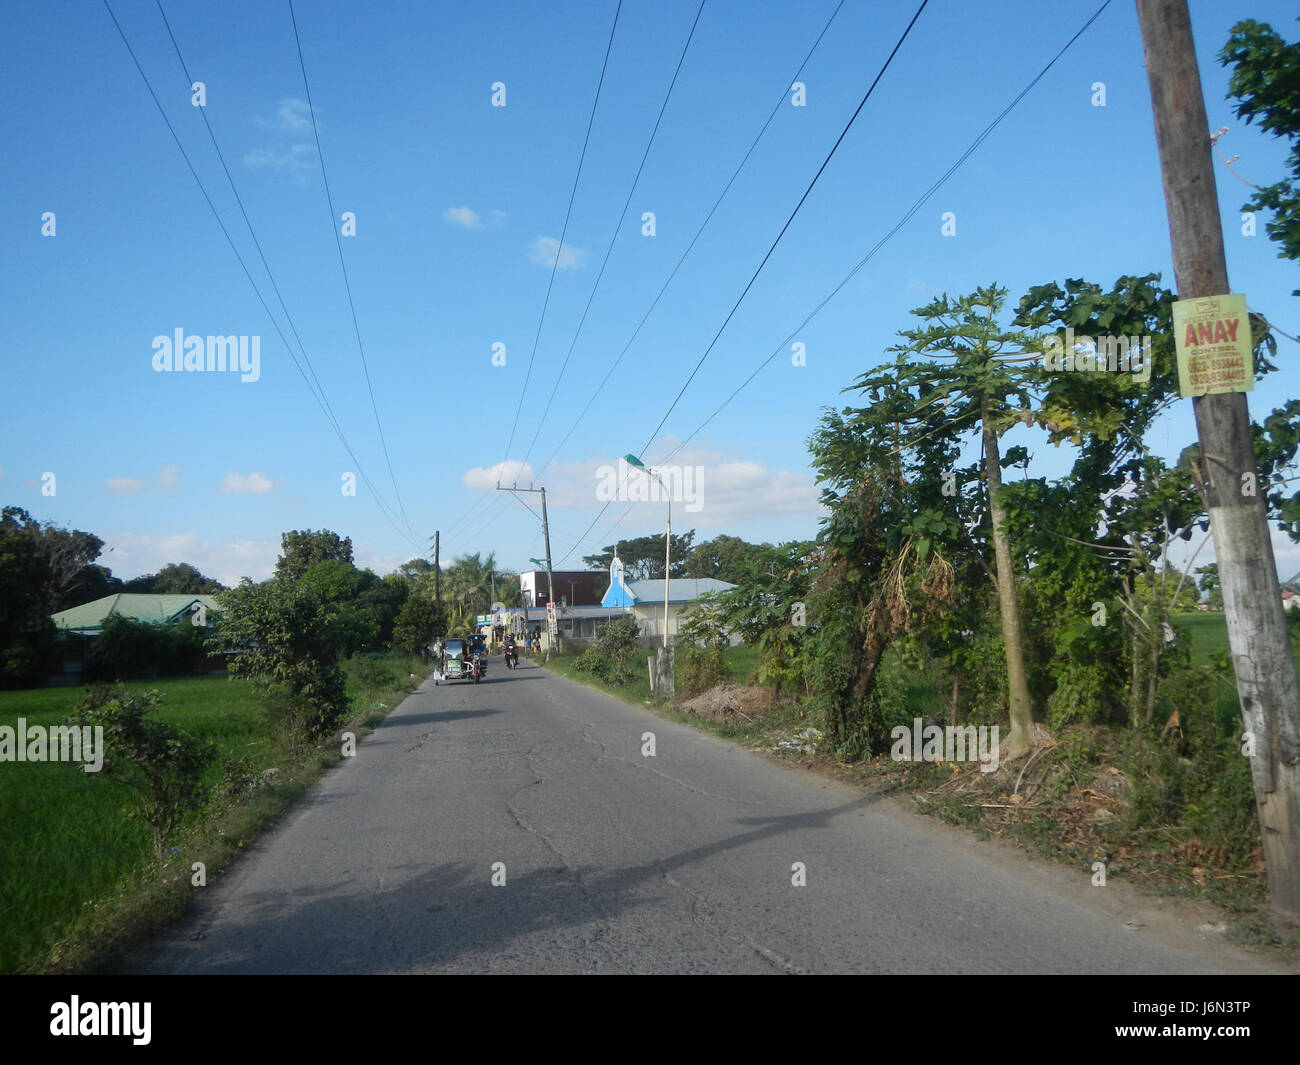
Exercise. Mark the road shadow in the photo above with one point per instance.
(436, 912)
(434, 717)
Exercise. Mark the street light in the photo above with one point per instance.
(632, 460)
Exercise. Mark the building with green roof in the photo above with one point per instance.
(88, 619)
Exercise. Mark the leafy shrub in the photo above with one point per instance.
(593, 663)
(127, 649)
(1194, 775)
(163, 765)
(699, 669)
(618, 643)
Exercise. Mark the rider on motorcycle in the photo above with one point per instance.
(510, 653)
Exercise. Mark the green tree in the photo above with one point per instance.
(1265, 82)
(176, 578)
(731, 559)
(26, 631)
(643, 557)
(284, 637)
(898, 507)
(414, 569)
(300, 549)
(1090, 537)
(342, 587)
(420, 621)
(1209, 585)
(96, 582)
(979, 384)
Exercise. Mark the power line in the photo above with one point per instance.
(559, 250)
(293, 328)
(975, 144)
(807, 192)
(825, 162)
(618, 224)
(703, 225)
(924, 198)
(239, 257)
(347, 284)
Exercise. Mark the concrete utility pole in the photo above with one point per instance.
(668, 550)
(550, 576)
(1261, 653)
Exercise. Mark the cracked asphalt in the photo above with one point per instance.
(614, 862)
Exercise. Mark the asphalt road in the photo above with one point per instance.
(616, 862)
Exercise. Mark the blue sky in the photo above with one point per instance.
(456, 205)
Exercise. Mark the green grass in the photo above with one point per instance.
(75, 864)
(1207, 636)
(742, 662)
(66, 836)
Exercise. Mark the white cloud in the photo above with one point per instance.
(543, 249)
(291, 114)
(297, 160)
(481, 479)
(130, 555)
(124, 486)
(365, 557)
(168, 479)
(252, 484)
(496, 217)
(723, 492)
(465, 217)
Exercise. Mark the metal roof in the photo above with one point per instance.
(680, 589)
(154, 609)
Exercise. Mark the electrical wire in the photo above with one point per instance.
(321, 402)
(703, 225)
(618, 224)
(559, 250)
(347, 283)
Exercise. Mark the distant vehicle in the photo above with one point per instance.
(479, 649)
(458, 663)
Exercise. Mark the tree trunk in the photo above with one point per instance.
(1021, 706)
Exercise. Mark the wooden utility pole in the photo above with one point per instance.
(1261, 652)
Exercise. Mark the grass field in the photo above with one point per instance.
(69, 843)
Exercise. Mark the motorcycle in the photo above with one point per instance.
(511, 657)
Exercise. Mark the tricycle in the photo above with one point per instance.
(458, 663)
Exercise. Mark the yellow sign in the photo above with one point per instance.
(1212, 336)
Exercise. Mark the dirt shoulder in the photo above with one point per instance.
(1063, 813)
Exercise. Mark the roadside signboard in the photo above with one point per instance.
(1212, 336)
